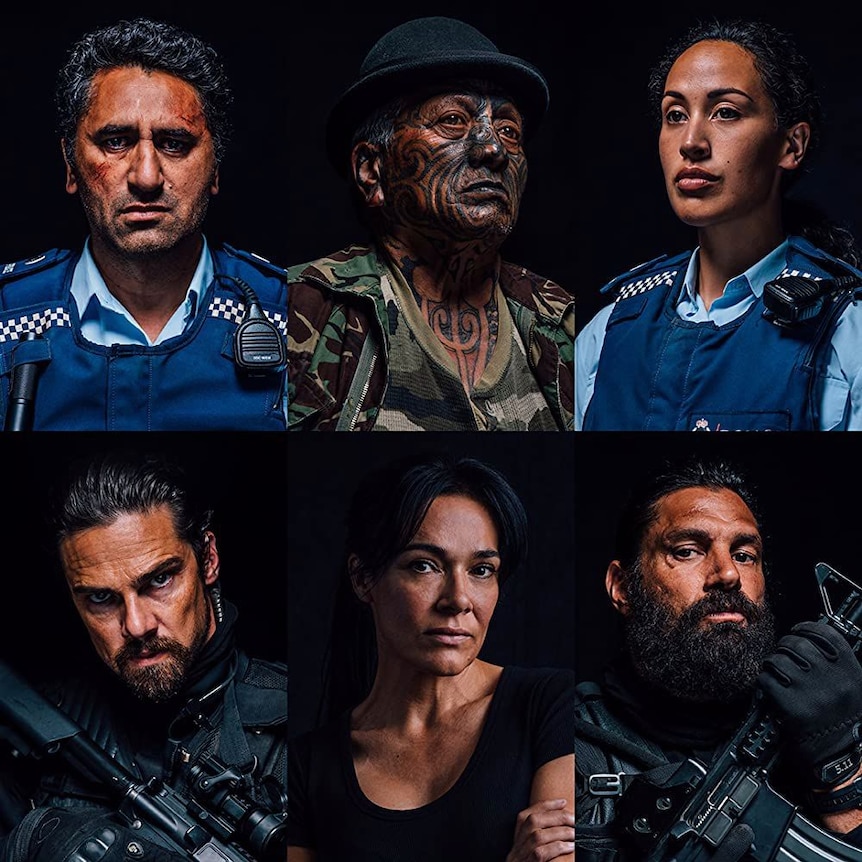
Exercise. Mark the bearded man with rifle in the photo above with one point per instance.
(706, 739)
(173, 747)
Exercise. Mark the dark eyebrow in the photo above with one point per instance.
(170, 566)
(747, 539)
(112, 129)
(712, 94)
(115, 129)
(705, 538)
(485, 553)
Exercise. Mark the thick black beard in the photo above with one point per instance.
(674, 653)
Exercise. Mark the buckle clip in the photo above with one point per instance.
(606, 784)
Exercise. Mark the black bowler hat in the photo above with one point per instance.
(423, 51)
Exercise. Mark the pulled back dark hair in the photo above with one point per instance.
(151, 45)
(641, 509)
(789, 82)
(96, 490)
(385, 512)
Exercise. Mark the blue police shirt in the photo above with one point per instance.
(839, 390)
(105, 320)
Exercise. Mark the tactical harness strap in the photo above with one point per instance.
(601, 739)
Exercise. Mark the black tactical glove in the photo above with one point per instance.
(814, 681)
(88, 835)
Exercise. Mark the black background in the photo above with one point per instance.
(595, 203)
(288, 63)
(808, 487)
(624, 217)
(241, 475)
(532, 625)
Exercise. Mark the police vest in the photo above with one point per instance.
(658, 372)
(189, 382)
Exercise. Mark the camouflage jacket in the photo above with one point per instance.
(338, 345)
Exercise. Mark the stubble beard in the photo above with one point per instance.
(678, 655)
(140, 243)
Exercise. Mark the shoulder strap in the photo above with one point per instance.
(595, 724)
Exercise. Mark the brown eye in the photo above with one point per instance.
(452, 120)
(726, 112)
(115, 143)
(510, 131)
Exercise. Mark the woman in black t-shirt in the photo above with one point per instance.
(429, 752)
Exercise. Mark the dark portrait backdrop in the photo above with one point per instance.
(807, 487)
(532, 625)
(288, 63)
(321, 216)
(242, 476)
(595, 203)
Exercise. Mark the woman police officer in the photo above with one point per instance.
(693, 342)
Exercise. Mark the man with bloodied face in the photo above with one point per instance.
(426, 327)
(699, 644)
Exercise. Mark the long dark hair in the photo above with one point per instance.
(385, 512)
(789, 82)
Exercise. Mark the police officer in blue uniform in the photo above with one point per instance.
(757, 328)
(149, 326)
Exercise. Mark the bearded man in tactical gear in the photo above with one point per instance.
(699, 649)
(173, 688)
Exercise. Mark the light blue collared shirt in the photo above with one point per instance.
(105, 320)
(840, 386)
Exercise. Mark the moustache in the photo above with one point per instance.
(723, 602)
(136, 648)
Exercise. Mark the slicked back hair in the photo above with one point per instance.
(641, 509)
(97, 490)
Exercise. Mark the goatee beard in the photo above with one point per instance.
(165, 679)
(677, 654)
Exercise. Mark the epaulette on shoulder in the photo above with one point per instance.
(829, 261)
(21, 268)
(645, 276)
(263, 673)
(256, 260)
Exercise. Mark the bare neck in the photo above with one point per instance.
(406, 697)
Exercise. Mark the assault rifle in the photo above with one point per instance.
(218, 823)
(729, 810)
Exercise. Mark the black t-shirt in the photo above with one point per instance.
(529, 723)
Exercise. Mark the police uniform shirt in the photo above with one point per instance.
(106, 321)
(843, 381)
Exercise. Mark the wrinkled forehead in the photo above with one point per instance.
(712, 511)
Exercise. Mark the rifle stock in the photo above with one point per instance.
(687, 816)
(235, 830)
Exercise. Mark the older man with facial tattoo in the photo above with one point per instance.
(427, 328)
